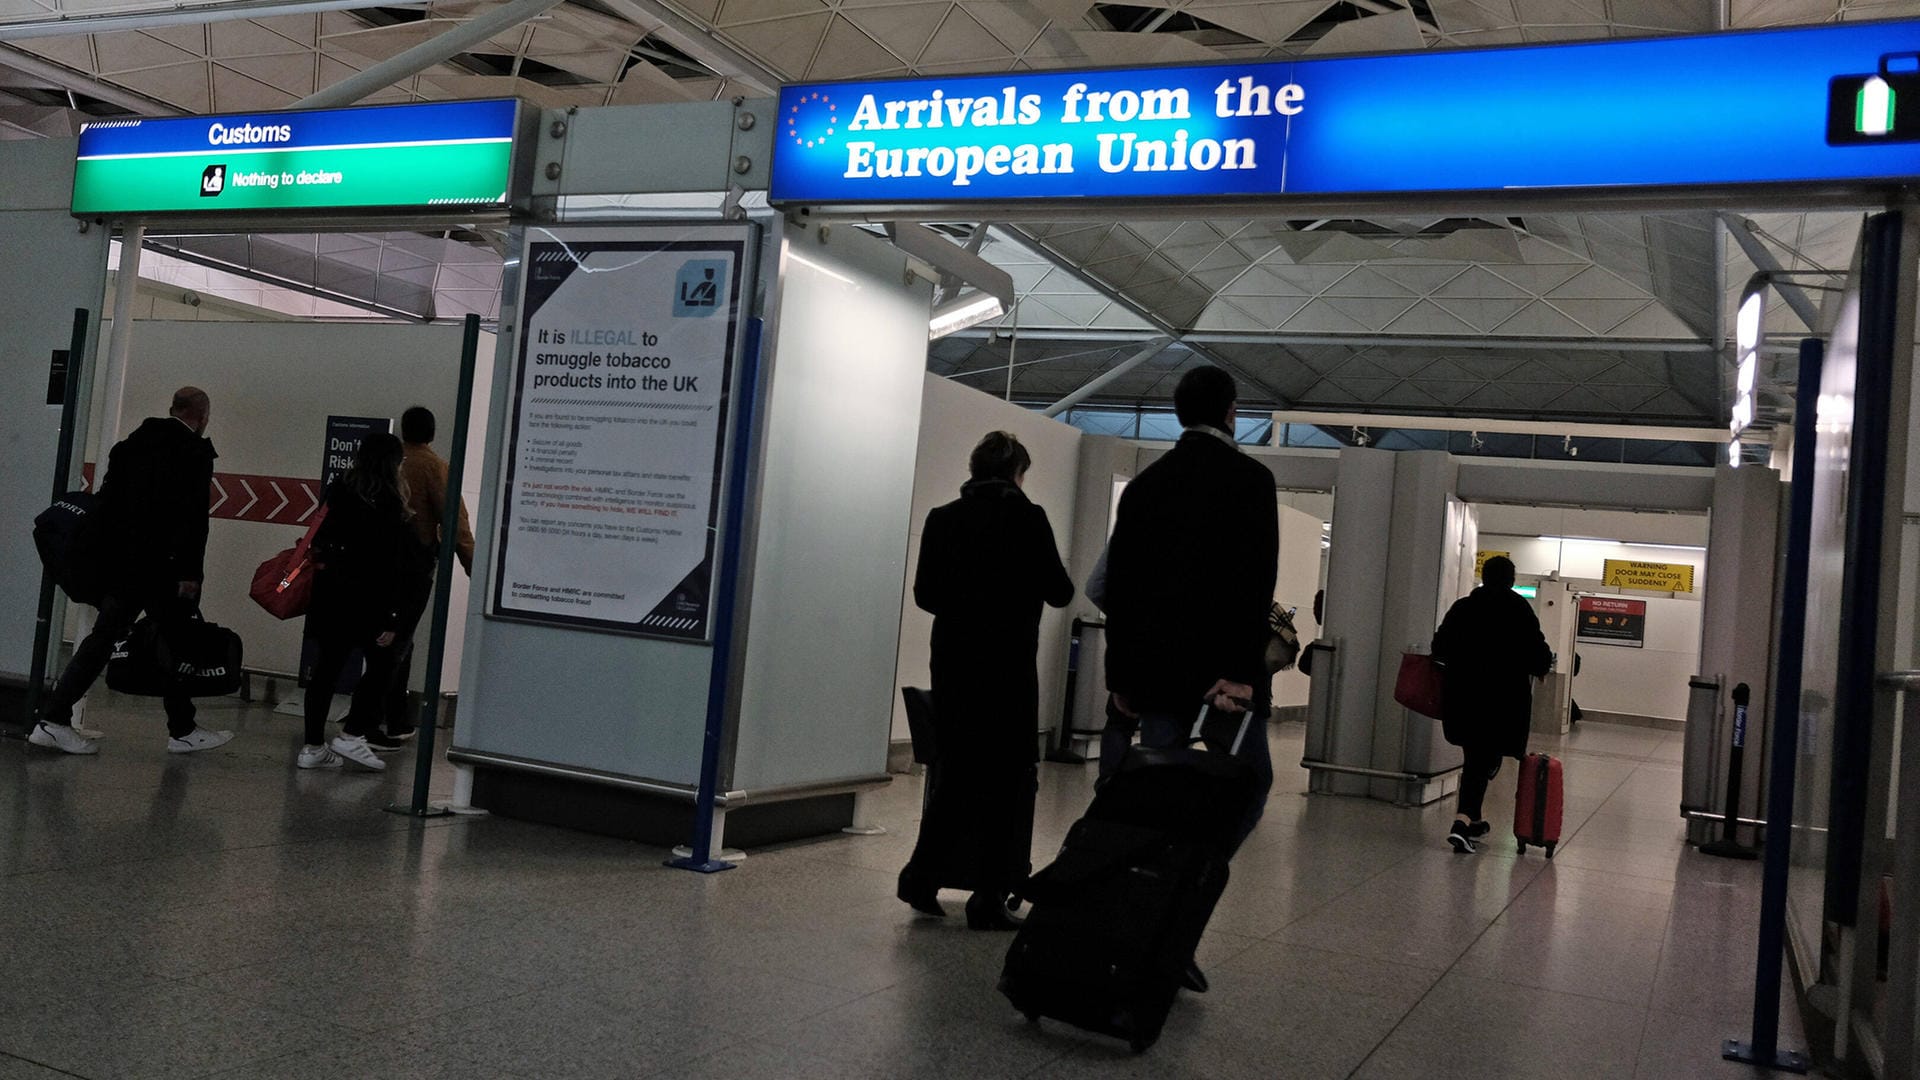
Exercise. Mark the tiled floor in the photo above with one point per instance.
(222, 915)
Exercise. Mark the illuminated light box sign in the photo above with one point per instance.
(452, 155)
(1822, 104)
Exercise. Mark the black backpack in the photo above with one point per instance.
(69, 536)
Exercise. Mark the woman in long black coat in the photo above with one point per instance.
(987, 564)
(371, 569)
(1493, 649)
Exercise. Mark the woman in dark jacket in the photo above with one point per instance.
(367, 556)
(987, 564)
(1493, 649)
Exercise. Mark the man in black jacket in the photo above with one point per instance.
(1190, 576)
(1493, 649)
(154, 500)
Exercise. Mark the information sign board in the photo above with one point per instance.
(1652, 576)
(610, 507)
(344, 436)
(1803, 105)
(1609, 620)
(427, 156)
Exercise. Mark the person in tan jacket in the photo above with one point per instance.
(424, 478)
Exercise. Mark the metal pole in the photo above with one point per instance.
(442, 594)
(1742, 232)
(1764, 1046)
(1903, 934)
(425, 55)
(176, 15)
(702, 858)
(105, 431)
(1094, 385)
(62, 467)
(1729, 845)
(126, 284)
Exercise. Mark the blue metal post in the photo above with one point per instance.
(1764, 1047)
(702, 858)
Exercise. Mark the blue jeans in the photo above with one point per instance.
(1160, 730)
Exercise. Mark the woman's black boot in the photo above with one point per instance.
(919, 897)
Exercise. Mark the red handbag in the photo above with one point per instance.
(1421, 685)
(284, 584)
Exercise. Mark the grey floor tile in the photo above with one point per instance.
(168, 1030)
(1678, 1047)
(1610, 959)
(393, 990)
(13, 1068)
(1476, 1028)
(941, 1028)
(375, 1057)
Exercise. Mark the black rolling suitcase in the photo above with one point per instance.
(1117, 916)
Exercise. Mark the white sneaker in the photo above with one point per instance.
(318, 757)
(355, 749)
(199, 739)
(63, 738)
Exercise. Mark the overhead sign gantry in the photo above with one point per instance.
(1820, 106)
(433, 157)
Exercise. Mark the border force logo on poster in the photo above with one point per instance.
(696, 288)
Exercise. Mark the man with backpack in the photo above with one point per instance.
(153, 541)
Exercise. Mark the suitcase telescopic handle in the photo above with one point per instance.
(1900, 63)
(1246, 721)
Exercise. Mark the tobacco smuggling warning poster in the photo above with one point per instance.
(612, 484)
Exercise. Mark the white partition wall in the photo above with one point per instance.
(273, 386)
(54, 265)
(848, 371)
(952, 419)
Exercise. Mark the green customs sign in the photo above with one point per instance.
(456, 155)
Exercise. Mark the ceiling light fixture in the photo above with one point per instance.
(1749, 333)
(967, 309)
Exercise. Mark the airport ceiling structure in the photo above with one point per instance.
(1547, 316)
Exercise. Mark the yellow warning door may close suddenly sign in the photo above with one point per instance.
(1652, 576)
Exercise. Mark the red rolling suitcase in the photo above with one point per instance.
(1538, 805)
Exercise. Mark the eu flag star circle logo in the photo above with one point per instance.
(813, 121)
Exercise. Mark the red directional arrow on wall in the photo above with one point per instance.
(275, 500)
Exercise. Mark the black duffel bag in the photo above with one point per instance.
(197, 659)
(68, 535)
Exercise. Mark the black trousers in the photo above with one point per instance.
(370, 695)
(399, 719)
(119, 610)
(1480, 766)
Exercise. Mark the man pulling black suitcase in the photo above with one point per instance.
(1117, 916)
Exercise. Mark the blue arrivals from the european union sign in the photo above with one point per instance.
(1834, 103)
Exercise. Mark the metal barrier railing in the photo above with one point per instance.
(1896, 1028)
